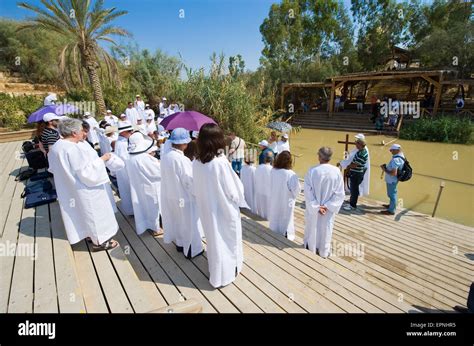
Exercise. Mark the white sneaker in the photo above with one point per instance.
(348, 207)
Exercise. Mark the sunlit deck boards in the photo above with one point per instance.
(408, 262)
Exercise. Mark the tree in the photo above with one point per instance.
(82, 26)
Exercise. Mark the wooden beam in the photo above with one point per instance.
(331, 99)
(439, 90)
(282, 95)
(401, 76)
(431, 80)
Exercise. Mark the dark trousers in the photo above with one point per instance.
(355, 180)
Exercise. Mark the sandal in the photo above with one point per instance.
(108, 245)
(156, 233)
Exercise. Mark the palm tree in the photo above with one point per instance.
(81, 26)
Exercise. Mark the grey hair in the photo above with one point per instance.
(68, 127)
(325, 153)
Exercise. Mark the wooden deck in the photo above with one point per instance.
(405, 263)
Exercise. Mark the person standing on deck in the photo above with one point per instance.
(282, 202)
(324, 195)
(391, 177)
(264, 151)
(50, 134)
(236, 152)
(125, 130)
(247, 175)
(81, 185)
(263, 187)
(219, 195)
(283, 144)
(358, 164)
(144, 171)
(179, 211)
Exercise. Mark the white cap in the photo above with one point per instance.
(360, 136)
(109, 111)
(50, 116)
(285, 136)
(195, 134)
(137, 95)
(263, 143)
(86, 114)
(164, 98)
(395, 147)
(123, 115)
(147, 105)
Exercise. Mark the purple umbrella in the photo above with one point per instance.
(190, 120)
(61, 109)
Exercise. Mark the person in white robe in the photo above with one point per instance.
(125, 130)
(219, 195)
(283, 144)
(92, 135)
(162, 107)
(81, 182)
(132, 114)
(149, 112)
(145, 183)
(364, 187)
(111, 119)
(283, 199)
(139, 105)
(324, 195)
(247, 175)
(273, 142)
(181, 223)
(150, 126)
(141, 126)
(263, 188)
(166, 147)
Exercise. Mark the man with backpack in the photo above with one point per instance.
(396, 170)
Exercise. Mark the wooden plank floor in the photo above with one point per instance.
(406, 263)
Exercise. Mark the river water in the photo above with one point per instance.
(432, 163)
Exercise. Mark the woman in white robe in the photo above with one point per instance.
(145, 182)
(282, 204)
(178, 206)
(324, 195)
(247, 175)
(123, 182)
(263, 188)
(81, 183)
(219, 195)
(364, 187)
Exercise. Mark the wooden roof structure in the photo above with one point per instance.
(435, 78)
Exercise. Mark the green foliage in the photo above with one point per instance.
(447, 129)
(14, 110)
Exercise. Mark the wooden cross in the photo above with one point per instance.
(346, 142)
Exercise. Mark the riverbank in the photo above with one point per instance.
(431, 162)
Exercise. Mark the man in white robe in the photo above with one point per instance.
(263, 188)
(145, 182)
(364, 187)
(132, 114)
(324, 195)
(149, 112)
(92, 135)
(162, 107)
(111, 119)
(81, 182)
(219, 194)
(178, 207)
(123, 182)
(283, 144)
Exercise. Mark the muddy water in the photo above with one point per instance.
(431, 162)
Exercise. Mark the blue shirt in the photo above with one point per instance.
(261, 157)
(396, 162)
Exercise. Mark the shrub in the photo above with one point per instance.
(14, 110)
(446, 129)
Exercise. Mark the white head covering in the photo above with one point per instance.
(124, 126)
(139, 143)
(263, 143)
(395, 147)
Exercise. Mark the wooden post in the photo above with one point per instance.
(439, 89)
(331, 99)
(441, 187)
(282, 95)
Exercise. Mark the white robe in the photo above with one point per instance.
(178, 206)
(323, 186)
(247, 175)
(123, 181)
(150, 127)
(282, 146)
(81, 183)
(104, 143)
(219, 194)
(263, 189)
(145, 182)
(365, 185)
(132, 115)
(93, 135)
(282, 203)
(112, 120)
(165, 148)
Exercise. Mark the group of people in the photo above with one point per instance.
(186, 188)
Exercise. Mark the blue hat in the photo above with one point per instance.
(180, 136)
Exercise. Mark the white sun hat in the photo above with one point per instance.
(263, 143)
(139, 143)
(50, 116)
(395, 147)
(360, 136)
(124, 126)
